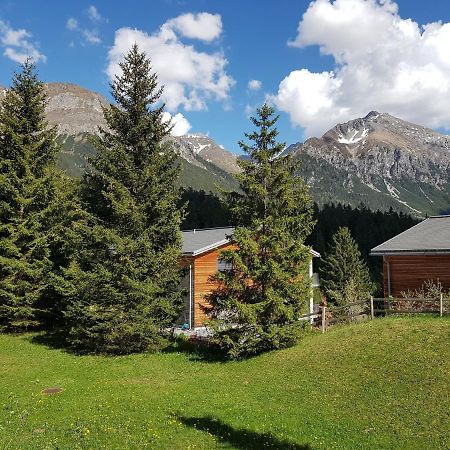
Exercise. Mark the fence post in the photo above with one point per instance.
(324, 319)
(371, 307)
(441, 305)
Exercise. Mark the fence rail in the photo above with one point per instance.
(328, 315)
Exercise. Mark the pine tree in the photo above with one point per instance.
(345, 276)
(30, 202)
(125, 275)
(260, 299)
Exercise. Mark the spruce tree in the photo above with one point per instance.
(30, 202)
(345, 276)
(260, 299)
(125, 276)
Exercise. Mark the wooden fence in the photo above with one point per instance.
(373, 307)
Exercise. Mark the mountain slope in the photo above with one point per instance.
(378, 160)
(78, 113)
(197, 173)
(381, 161)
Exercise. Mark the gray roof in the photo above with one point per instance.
(430, 236)
(196, 242)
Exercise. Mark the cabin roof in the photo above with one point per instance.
(429, 236)
(196, 242)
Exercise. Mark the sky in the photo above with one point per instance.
(317, 62)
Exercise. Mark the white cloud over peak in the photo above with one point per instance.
(203, 26)
(190, 77)
(383, 62)
(17, 44)
(180, 124)
(254, 85)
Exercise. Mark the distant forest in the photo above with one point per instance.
(368, 228)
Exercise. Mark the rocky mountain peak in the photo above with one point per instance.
(73, 109)
(192, 146)
(359, 136)
(380, 160)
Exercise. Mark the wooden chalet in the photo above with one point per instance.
(419, 254)
(201, 256)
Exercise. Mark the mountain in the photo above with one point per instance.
(73, 109)
(380, 161)
(77, 113)
(204, 147)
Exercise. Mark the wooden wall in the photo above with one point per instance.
(410, 272)
(204, 267)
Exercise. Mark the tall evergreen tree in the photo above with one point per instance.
(345, 276)
(30, 201)
(260, 299)
(125, 276)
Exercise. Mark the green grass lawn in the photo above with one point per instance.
(380, 384)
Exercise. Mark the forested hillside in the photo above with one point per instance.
(369, 228)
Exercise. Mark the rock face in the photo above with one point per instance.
(203, 146)
(381, 161)
(73, 109)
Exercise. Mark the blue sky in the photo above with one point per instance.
(319, 62)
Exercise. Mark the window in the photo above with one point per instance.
(223, 266)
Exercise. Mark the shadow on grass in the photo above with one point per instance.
(197, 351)
(240, 438)
(56, 340)
(50, 339)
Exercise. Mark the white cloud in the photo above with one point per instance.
(17, 45)
(203, 26)
(93, 14)
(249, 110)
(383, 62)
(72, 24)
(91, 36)
(88, 35)
(254, 85)
(190, 77)
(180, 124)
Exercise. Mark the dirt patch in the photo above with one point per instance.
(52, 390)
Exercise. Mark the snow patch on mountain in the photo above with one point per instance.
(410, 207)
(354, 138)
(426, 196)
(371, 186)
(199, 147)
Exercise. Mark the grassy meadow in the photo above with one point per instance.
(383, 384)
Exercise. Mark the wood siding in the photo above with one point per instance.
(204, 267)
(409, 272)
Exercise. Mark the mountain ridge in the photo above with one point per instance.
(407, 164)
(377, 160)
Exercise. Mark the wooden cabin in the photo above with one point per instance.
(415, 256)
(201, 249)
